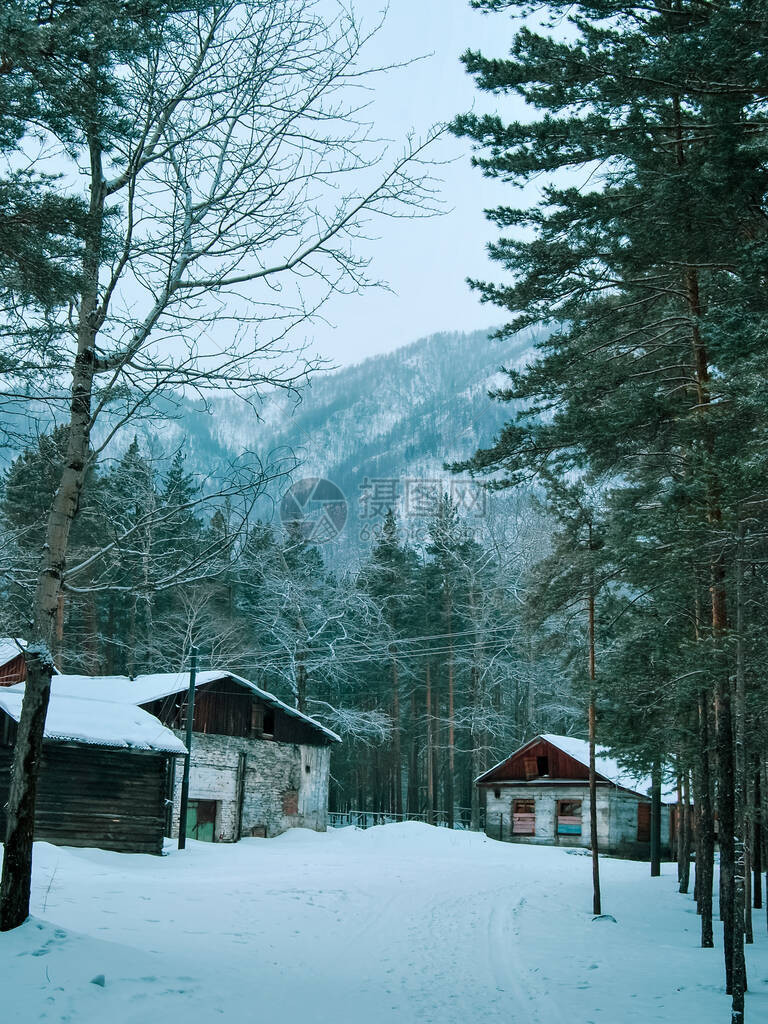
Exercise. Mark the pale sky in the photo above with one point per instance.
(426, 262)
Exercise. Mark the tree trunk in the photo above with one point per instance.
(596, 901)
(20, 809)
(726, 817)
(705, 836)
(430, 749)
(675, 825)
(697, 850)
(90, 643)
(684, 842)
(739, 969)
(749, 935)
(656, 820)
(475, 739)
(301, 685)
(726, 821)
(723, 722)
(749, 835)
(412, 796)
(14, 891)
(58, 653)
(133, 639)
(451, 772)
(477, 735)
(397, 768)
(111, 645)
(437, 739)
(757, 848)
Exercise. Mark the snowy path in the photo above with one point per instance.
(399, 923)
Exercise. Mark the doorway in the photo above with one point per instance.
(201, 820)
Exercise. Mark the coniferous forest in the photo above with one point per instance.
(643, 414)
(615, 587)
(421, 656)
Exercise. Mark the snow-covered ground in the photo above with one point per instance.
(397, 923)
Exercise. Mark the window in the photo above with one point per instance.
(257, 719)
(542, 765)
(269, 722)
(497, 793)
(307, 769)
(569, 817)
(524, 817)
(291, 802)
(643, 823)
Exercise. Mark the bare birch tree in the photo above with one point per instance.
(228, 175)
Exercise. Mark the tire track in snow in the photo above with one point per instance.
(504, 953)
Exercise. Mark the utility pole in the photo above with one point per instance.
(596, 901)
(188, 755)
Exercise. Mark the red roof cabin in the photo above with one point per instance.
(540, 795)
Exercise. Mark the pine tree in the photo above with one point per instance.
(388, 578)
(651, 268)
(573, 576)
(28, 490)
(130, 500)
(178, 538)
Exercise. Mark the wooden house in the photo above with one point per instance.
(105, 773)
(258, 766)
(13, 668)
(540, 794)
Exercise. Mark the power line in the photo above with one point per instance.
(387, 645)
(283, 659)
(286, 658)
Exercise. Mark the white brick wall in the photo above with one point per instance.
(616, 817)
(275, 778)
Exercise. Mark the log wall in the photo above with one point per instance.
(94, 796)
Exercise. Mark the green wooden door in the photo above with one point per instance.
(201, 820)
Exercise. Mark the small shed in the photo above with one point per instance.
(105, 773)
(540, 795)
(13, 667)
(258, 766)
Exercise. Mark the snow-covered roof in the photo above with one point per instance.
(101, 723)
(147, 688)
(9, 649)
(605, 765)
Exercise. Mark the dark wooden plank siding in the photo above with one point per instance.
(643, 822)
(221, 708)
(527, 764)
(292, 730)
(14, 671)
(94, 796)
(225, 708)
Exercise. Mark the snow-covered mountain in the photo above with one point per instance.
(380, 429)
(374, 429)
(410, 409)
